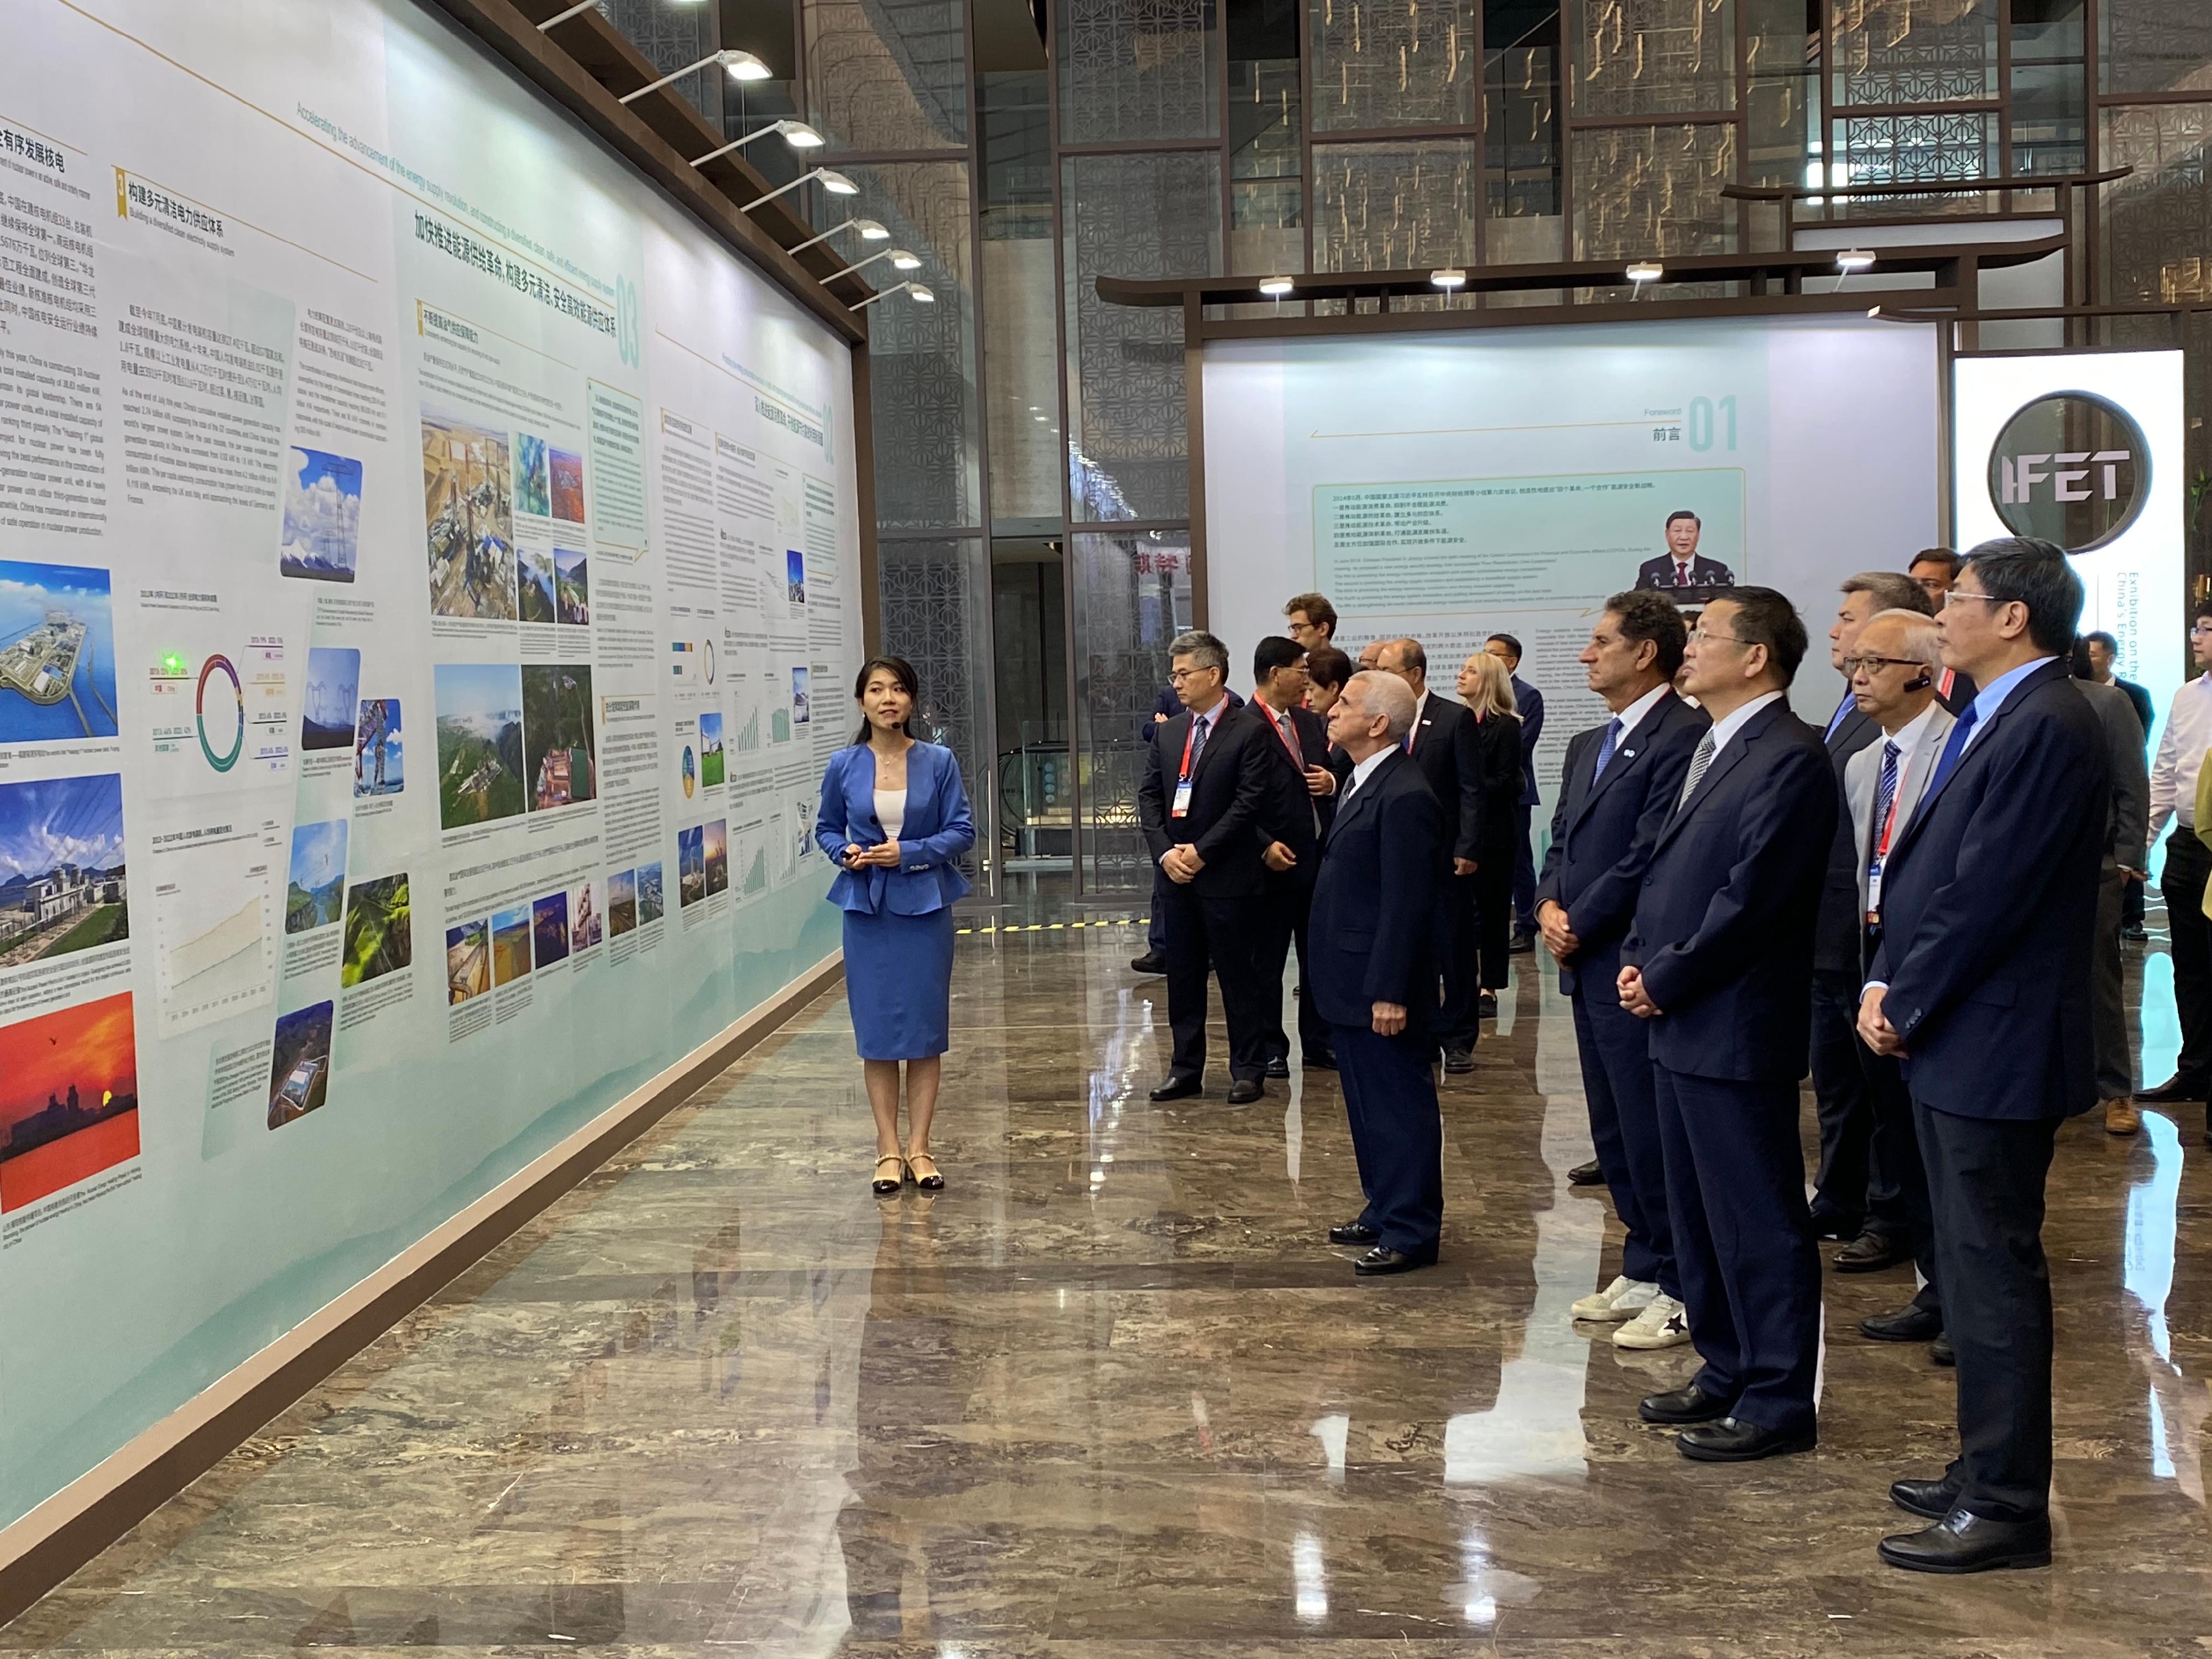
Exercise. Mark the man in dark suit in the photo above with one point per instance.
(1443, 742)
(1616, 796)
(1981, 985)
(1529, 703)
(1302, 803)
(1204, 796)
(1719, 960)
(1841, 1197)
(1373, 979)
(1681, 565)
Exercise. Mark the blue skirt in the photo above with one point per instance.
(898, 982)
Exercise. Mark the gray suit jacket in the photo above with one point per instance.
(2130, 815)
(1864, 771)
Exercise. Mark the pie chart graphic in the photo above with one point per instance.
(220, 724)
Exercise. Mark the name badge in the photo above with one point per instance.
(1182, 807)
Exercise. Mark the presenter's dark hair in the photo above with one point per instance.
(2034, 572)
(901, 671)
(1326, 666)
(1645, 613)
(1273, 652)
(1508, 641)
(1764, 617)
(1684, 513)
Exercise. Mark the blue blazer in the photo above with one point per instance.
(937, 830)
(1723, 928)
(1602, 833)
(1988, 904)
(1368, 937)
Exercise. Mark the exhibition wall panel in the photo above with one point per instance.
(1447, 486)
(424, 553)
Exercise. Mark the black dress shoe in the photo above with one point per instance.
(1485, 1005)
(1245, 1090)
(1352, 1232)
(1960, 1542)
(2181, 1086)
(1871, 1252)
(1458, 1060)
(1180, 1088)
(1930, 1499)
(1688, 1404)
(1323, 1058)
(1911, 1323)
(1522, 944)
(1732, 1440)
(1941, 1351)
(1150, 962)
(1380, 1260)
(1280, 1065)
(1586, 1175)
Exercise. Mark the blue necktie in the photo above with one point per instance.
(1953, 746)
(1605, 750)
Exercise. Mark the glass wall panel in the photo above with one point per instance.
(1155, 215)
(1914, 51)
(1653, 56)
(2154, 45)
(936, 599)
(921, 357)
(887, 77)
(1653, 189)
(1397, 63)
(1132, 598)
(1138, 70)
(1021, 357)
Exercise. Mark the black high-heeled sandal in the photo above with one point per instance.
(884, 1188)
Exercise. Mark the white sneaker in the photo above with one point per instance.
(1664, 1323)
(1624, 1298)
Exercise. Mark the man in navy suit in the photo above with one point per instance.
(1201, 802)
(1719, 960)
(1981, 985)
(1617, 794)
(1373, 977)
(1303, 802)
(1681, 565)
(1529, 703)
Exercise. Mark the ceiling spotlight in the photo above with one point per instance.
(1854, 259)
(1646, 271)
(1449, 277)
(1275, 286)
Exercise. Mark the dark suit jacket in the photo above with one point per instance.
(1498, 758)
(1445, 749)
(1704, 572)
(1989, 902)
(1367, 936)
(1724, 927)
(1292, 809)
(1529, 703)
(1602, 834)
(1229, 796)
(1840, 944)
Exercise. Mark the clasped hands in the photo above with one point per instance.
(884, 854)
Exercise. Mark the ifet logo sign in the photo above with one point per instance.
(2071, 467)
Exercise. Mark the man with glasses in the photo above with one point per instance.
(1980, 984)
(1892, 675)
(1719, 963)
(1204, 803)
(2181, 749)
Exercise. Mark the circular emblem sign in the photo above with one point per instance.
(2071, 467)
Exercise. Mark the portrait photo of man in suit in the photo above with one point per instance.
(1681, 565)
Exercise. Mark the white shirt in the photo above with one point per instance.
(1728, 725)
(1631, 716)
(1363, 769)
(2181, 749)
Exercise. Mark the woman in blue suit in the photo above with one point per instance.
(895, 820)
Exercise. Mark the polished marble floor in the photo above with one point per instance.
(1112, 1397)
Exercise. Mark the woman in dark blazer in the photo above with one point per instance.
(895, 820)
(1485, 686)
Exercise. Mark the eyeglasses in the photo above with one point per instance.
(1856, 666)
(1177, 676)
(1957, 593)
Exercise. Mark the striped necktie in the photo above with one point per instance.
(1699, 761)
